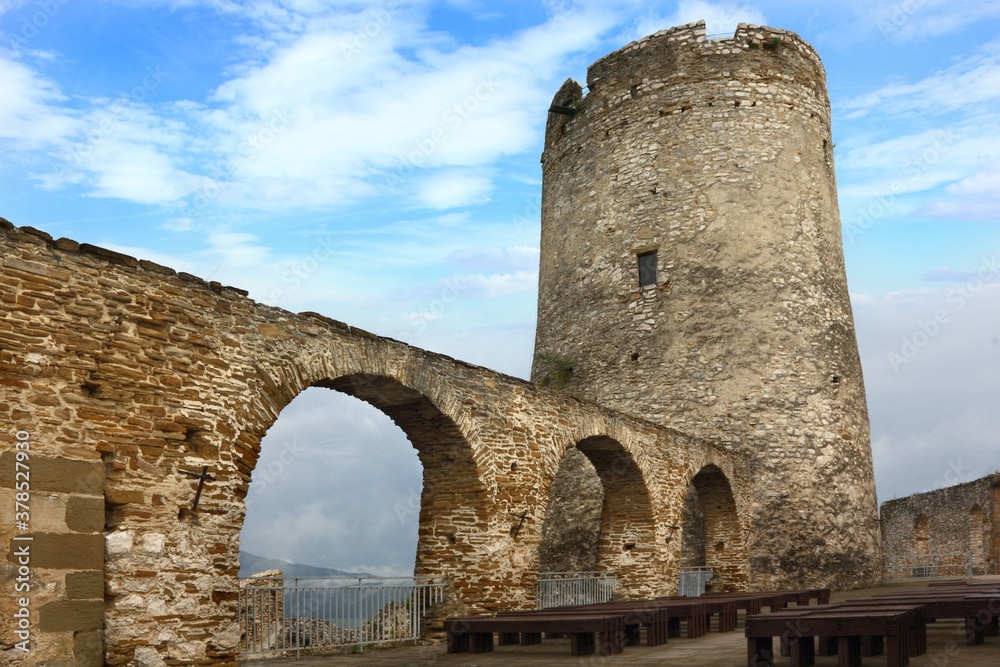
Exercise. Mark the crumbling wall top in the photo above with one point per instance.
(748, 38)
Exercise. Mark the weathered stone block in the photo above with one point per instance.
(63, 552)
(87, 585)
(85, 514)
(123, 496)
(71, 616)
(88, 649)
(61, 475)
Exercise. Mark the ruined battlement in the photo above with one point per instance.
(681, 69)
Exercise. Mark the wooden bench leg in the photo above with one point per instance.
(760, 652)
(480, 642)
(872, 645)
(973, 631)
(508, 638)
(802, 651)
(993, 627)
(606, 644)
(458, 642)
(731, 619)
(895, 652)
(531, 638)
(581, 643)
(848, 651)
(656, 632)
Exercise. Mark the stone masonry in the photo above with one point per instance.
(123, 375)
(959, 519)
(692, 274)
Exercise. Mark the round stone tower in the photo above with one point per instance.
(692, 274)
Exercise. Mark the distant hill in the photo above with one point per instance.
(251, 564)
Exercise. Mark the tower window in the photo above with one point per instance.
(647, 268)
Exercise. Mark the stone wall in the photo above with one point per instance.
(715, 155)
(959, 519)
(262, 612)
(128, 376)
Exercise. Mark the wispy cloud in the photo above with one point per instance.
(964, 86)
(329, 106)
(31, 111)
(451, 189)
(929, 357)
(920, 20)
(949, 172)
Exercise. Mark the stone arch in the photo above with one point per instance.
(921, 534)
(570, 532)
(626, 543)
(712, 535)
(976, 542)
(454, 509)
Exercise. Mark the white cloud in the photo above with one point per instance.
(30, 116)
(498, 284)
(986, 182)
(929, 358)
(331, 103)
(523, 258)
(180, 224)
(952, 169)
(327, 118)
(919, 20)
(238, 249)
(421, 318)
(334, 502)
(452, 189)
(966, 85)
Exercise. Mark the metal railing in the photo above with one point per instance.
(561, 589)
(906, 567)
(693, 581)
(295, 616)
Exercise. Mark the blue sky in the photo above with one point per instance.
(378, 163)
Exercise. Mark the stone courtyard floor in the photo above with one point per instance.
(944, 638)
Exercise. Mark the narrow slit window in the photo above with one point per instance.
(647, 269)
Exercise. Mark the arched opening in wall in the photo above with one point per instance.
(371, 478)
(599, 518)
(572, 518)
(693, 531)
(977, 534)
(337, 486)
(711, 534)
(921, 535)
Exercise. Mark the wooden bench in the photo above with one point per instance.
(805, 596)
(475, 633)
(914, 617)
(635, 616)
(979, 607)
(723, 607)
(752, 603)
(798, 627)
